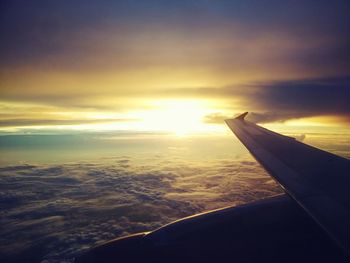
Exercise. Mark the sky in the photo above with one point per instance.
(172, 66)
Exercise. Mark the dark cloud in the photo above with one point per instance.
(315, 96)
(63, 34)
(303, 98)
(266, 117)
(283, 100)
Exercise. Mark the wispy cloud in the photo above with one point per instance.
(51, 122)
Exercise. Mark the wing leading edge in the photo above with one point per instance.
(317, 180)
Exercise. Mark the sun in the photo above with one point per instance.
(180, 117)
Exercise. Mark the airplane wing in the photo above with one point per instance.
(271, 230)
(318, 181)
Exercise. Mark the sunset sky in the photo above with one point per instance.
(112, 112)
(173, 66)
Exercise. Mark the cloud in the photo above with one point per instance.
(303, 98)
(314, 96)
(216, 118)
(123, 34)
(256, 117)
(53, 212)
(284, 100)
(50, 122)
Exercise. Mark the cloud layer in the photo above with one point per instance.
(49, 213)
(130, 33)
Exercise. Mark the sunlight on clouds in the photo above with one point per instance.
(175, 116)
(180, 117)
(323, 125)
(325, 121)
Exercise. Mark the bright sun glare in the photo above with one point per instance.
(180, 117)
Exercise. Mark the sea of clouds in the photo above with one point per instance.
(52, 212)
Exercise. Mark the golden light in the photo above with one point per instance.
(180, 117)
(177, 116)
(310, 125)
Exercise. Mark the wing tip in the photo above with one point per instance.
(241, 116)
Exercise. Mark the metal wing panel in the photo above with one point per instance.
(319, 181)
